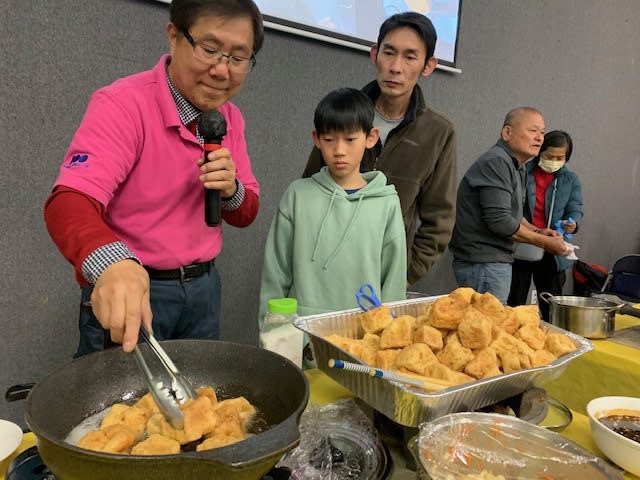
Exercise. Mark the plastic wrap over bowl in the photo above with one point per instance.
(488, 446)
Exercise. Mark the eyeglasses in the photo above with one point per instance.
(213, 56)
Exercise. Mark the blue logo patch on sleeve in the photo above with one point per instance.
(78, 161)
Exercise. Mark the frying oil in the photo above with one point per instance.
(89, 424)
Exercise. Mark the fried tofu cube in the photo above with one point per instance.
(541, 358)
(430, 336)
(532, 335)
(559, 344)
(510, 324)
(157, 424)
(339, 341)
(157, 445)
(465, 292)
(376, 319)
(148, 404)
(356, 348)
(199, 418)
(399, 333)
(131, 416)
(208, 392)
(246, 411)
(489, 304)
(218, 440)
(527, 314)
(475, 329)
(447, 312)
(483, 365)
(438, 370)
(459, 378)
(504, 342)
(95, 440)
(372, 340)
(229, 420)
(415, 358)
(120, 438)
(455, 355)
(114, 415)
(385, 359)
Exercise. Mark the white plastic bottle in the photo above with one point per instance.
(278, 333)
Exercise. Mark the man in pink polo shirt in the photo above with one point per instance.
(127, 209)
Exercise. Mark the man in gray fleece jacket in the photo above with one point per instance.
(489, 208)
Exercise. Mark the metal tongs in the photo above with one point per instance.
(169, 396)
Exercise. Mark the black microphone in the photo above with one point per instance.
(213, 127)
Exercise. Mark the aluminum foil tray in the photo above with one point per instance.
(410, 406)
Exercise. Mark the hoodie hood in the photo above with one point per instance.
(376, 187)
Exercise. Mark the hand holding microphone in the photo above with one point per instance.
(213, 127)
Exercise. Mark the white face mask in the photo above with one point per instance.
(551, 166)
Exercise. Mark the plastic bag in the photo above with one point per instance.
(485, 445)
(337, 442)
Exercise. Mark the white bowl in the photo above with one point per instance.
(10, 438)
(621, 450)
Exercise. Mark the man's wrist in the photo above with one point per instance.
(103, 257)
(236, 200)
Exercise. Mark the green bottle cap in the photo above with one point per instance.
(283, 305)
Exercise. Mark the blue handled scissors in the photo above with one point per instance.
(367, 298)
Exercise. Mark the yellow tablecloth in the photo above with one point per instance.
(609, 369)
(28, 441)
(324, 390)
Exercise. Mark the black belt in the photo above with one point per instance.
(183, 274)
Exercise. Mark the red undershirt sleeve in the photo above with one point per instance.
(75, 223)
(244, 215)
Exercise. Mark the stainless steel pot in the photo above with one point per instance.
(586, 316)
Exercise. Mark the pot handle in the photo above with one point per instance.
(627, 309)
(18, 392)
(546, 296)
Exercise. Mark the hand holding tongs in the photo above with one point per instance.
(168, 397)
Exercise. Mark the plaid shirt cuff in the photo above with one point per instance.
(102, 258)
(234, 202)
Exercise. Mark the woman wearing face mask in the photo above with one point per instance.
(550, 185)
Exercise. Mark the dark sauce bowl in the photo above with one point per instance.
(622, 450)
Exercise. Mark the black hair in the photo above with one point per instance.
(184, 13)
(344, 110)
(558, 139)
(416, 22)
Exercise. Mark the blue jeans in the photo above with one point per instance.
(189, 309)
(494, 278)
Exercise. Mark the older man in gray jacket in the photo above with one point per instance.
(489, 212)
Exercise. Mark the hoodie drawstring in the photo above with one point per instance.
(322, 225)
(345, 234)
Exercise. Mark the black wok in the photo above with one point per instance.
(91, 383)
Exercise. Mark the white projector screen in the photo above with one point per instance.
(356, 23)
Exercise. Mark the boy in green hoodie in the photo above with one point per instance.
(339, 228)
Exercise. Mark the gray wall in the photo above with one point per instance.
(573, 59)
